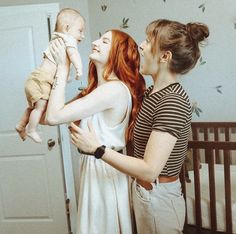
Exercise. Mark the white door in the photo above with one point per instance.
(32, 190)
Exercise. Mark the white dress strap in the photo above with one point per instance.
(129, 106)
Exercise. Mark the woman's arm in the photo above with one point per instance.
(157, 152)
(104, 97)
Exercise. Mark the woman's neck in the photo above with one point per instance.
(100, 75)
(162, 80)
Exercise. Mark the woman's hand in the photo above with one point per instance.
(84, 140)
(58, 50)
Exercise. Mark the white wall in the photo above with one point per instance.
(220, 54)
(63, 3)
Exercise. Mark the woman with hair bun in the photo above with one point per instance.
(111, 102)
(161, 129)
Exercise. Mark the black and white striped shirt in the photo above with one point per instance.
(167, 110)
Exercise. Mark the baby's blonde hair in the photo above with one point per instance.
(66, 17)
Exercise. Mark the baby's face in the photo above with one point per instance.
(77, 29)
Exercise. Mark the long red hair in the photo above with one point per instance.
(124, 61)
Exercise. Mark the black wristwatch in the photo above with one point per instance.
(99, 151)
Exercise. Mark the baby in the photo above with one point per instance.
(70, 27)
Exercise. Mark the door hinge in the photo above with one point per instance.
(59, 140)
(68, 215)
(49, 27)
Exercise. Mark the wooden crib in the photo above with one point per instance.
(211, 194)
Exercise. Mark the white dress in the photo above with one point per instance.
(104, 202)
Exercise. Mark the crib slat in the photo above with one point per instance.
(198, 211)
(206, 138)
(227, 191)
(205, 134)
(194, 133)
(211, 169)
(227, 138)
(227, 134)
(183, 185)
(216, 138)
(182, 180)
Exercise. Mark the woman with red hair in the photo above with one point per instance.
(110, 102)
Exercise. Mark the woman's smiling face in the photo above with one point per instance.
(101, 48)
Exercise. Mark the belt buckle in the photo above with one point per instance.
(146, 185)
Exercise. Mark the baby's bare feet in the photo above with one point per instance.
(21, 131)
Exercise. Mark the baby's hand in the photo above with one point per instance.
(68, 39)
(57, 34)
(57, 49)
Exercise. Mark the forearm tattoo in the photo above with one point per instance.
(54, 85)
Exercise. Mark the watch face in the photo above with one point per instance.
(99, 151)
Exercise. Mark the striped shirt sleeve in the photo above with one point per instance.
(170, 114)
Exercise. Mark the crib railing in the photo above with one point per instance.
(212, 149)
(214, 131)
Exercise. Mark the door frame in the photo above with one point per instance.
(51, 10)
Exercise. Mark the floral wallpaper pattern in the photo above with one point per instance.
(210, 77)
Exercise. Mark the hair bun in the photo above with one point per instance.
(199, 32)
